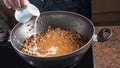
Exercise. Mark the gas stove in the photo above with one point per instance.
(10, 59)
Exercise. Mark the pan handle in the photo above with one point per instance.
(101, 37)
(4, 35)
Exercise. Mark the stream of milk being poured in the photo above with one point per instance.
(34, 48)
(35, 32)
(34, 27)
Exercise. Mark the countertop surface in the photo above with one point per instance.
(107, 54)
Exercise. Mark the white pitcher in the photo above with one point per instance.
(25, 13)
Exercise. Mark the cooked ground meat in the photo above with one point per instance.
(53, 42)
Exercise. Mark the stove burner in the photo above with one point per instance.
(10, 59)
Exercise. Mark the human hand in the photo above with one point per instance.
(15, 4)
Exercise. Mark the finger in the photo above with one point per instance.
(12, 4)
(6, 2)
(17, 3)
